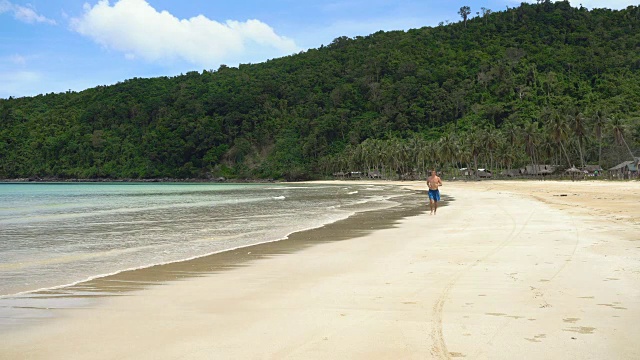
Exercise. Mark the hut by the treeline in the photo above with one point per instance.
(574, 171)
(466, 172)
(538, 169)
(626, 169)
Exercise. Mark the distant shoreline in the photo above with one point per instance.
(265, 181)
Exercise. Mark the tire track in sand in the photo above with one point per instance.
(439, 349)
(541, 291)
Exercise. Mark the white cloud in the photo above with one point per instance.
(23, 13)
(140, 31)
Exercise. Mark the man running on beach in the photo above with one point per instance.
(433, 182)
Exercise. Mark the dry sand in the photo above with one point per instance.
(506, 270)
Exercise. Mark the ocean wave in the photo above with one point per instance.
(178, 235)
(269, 239)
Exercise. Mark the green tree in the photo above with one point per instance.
(618, 128)
(464, 13)
(577, 123)
(531, 139)
(599, 123)
(485, 14)
(558, 130)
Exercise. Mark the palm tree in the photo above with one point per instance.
(547, 149)
(473, 147)
(398, 156)
(432, 156)
(363, 152)
(558, 129)
(511, 133)
(377, 153)
(599, 123)
(530, 139)
(618, 128)
(490, 140)
(506, 154)
(577, 125)
(415, 150)
(464, 149)
(429, 156)
(448, 149)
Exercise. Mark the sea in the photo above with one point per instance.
(54, 235)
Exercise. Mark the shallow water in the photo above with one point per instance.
(58, 234)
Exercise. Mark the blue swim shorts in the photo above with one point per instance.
(434, 195)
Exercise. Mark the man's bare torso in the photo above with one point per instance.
(433, 182)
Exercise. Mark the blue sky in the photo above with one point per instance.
(54, 46)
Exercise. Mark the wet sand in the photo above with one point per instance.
(506, 270)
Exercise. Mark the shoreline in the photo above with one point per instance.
(65, 282)
(506, 270)
(144, 181)
(127, 280)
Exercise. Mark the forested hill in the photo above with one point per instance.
(540, 83)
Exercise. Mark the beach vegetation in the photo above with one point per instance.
(543, 83)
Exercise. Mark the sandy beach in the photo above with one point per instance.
(507, 269)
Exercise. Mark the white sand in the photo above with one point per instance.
(496, 274)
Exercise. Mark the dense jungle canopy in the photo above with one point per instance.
(539, 83)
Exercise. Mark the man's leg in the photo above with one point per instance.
(431, 206)
(435, 207)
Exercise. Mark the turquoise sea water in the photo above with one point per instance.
(55, 234)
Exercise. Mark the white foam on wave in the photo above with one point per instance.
(298, 187)
(344, 210)
(345, 215)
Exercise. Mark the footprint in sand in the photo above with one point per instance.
(581, 329)
(457, 355)
(537, 338)
(616, 306)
